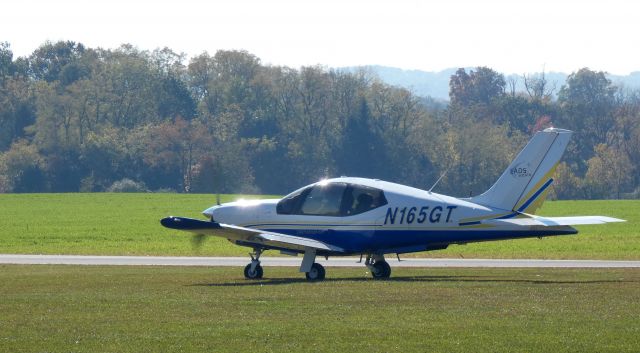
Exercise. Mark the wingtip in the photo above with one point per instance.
(612, 219)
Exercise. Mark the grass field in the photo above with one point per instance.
(187, 309)
(127, 224)
(169, 309)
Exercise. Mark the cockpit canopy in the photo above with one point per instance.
(336, 199)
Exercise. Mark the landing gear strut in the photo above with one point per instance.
(313, 270)
(254, 270)
(379, 268)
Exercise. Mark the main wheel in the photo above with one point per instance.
(316, 273)
(255, 274)
(381, 269)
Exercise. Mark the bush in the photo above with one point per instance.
(127, 185)
(21, 169)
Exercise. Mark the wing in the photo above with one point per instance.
(251, 235)
(555, 221)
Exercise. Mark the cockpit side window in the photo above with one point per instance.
(363, 199)
(324, 200)
(332, 199)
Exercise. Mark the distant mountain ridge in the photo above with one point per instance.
(436, 84)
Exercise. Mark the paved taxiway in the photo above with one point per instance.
(295, 261)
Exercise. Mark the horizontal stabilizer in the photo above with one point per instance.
(244, 234)
(554, 221)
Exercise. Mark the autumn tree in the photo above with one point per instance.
(22, 169)
(57, 62)
(587, 103)
(174, 148)
(6, 62)
(566, 185)
(473, 156)
(538, 86)
(77, 118)
(17, 110)
(609, 173)
(476, 87)
(361, 150)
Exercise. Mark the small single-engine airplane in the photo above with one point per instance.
(351, 216)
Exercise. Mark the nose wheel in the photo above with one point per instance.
(255, 273)
(254, 270)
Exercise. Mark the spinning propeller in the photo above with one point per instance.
(198, 239)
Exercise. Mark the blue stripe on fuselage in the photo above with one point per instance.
(362, 241)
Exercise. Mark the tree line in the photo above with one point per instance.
(74, 118)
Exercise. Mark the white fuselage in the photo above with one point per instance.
(410, 220)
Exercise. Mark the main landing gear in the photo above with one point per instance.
(313, 270)
(316, 273)
(379, 268)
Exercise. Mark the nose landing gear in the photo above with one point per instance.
(254, 270)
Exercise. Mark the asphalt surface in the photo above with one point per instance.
(295, 261)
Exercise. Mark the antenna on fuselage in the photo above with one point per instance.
(217, 183)
(440, 178)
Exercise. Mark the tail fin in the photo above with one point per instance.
(523, 186)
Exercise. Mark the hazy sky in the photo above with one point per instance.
(511, 36)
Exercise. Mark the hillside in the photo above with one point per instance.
(435, 84)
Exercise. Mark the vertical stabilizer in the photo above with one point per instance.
(523, 186)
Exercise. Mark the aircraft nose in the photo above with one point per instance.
(210, 212)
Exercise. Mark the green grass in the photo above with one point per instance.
(103, 224)
(127, 224)
(178, 309)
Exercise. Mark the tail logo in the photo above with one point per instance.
(522, 170)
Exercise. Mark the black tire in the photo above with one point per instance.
(256, 274)
(316, 273)
(381, 269)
